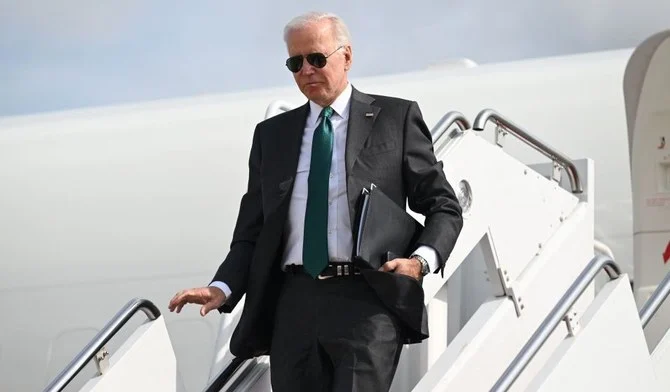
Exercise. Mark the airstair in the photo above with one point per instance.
(521, 306)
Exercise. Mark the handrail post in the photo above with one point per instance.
(104, 336)
(554, 319)
(449, 119)
(277, 106)
(556, 156)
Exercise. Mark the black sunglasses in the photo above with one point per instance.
(318, 60)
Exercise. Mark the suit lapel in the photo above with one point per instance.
(362, 116)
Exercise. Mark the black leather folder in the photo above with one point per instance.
(382, 228)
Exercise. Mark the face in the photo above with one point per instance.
(321, 85)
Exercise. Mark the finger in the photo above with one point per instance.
(173, 301)
(182, 301)
(179, 297)
(206, 308)
(179, 300)
(389, 266)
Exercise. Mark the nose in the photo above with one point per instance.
(307, 68)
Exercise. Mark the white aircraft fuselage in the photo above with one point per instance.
(101, 205)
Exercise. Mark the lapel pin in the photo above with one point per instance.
(369, 114)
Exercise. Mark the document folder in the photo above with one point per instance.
(382, 228)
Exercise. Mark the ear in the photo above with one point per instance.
(348, 57)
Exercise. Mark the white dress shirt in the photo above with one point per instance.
(340, 241)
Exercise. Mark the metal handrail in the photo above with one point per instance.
(554, 318)
(557, 157)
(104, 336)
(446, 122)
(226, 374)
(654, 302)
(602, 248)
(277, 107)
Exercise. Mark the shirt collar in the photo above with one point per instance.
(340, 106)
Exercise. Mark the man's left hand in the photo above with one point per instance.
(409, 267)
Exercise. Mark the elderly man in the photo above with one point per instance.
(307, 167)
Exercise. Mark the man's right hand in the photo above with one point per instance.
(209, 297)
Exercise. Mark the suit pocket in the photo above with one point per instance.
(380, 148)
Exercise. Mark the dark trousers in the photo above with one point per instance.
(332, 335)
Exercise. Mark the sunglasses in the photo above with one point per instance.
(317, 60)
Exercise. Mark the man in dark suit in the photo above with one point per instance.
(326, 324)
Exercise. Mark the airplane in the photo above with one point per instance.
(100, 205)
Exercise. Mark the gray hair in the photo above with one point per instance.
(340, 29)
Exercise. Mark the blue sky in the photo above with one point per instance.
(76, 53)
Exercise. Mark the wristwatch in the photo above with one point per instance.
(425, 269)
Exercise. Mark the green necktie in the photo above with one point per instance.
(315, 238)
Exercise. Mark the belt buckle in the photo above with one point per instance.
(340, 270)
(338, 273)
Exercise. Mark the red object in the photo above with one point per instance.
(666, 254)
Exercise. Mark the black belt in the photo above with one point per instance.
(331, 271)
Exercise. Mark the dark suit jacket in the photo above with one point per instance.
(392, 149)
